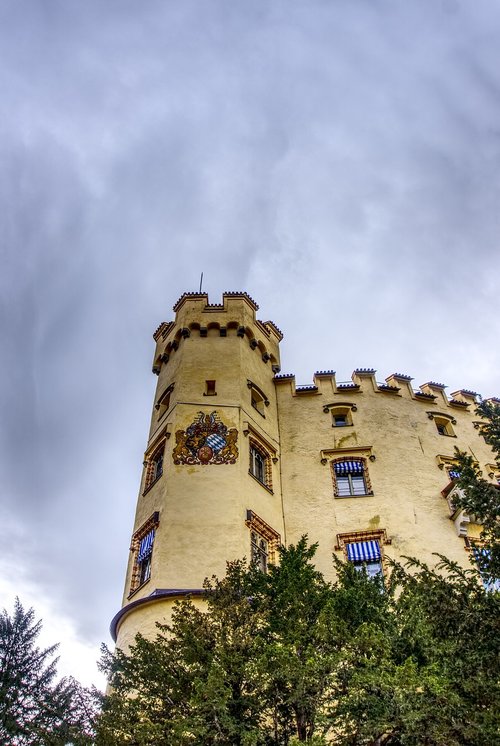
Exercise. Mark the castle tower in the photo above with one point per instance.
(239, 459)
(210, 489)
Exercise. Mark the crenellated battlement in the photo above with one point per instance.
(396, 385)
(195, 317)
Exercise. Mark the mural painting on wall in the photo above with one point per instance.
(206, 441)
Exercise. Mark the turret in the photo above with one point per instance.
(210, 490)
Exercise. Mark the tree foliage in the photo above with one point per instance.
(288, 658)
(481, 498)
(35, 709)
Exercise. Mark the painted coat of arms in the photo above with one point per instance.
(206, 441)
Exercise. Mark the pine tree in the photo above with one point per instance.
(35, 709)
(481, 498)
(286, 658)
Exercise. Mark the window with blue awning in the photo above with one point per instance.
(146, 546)
(350, 477)
(364, 551)
(349, 467)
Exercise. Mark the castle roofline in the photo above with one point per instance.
(234, 294)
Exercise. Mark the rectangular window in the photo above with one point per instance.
(163, 403)
(142, 547)
(258, 399)
(365, 555)
(210, 388)
(264, 541)
(259, 551)
(350, 478)
(258, 464)
(154, 467)
(144, 556)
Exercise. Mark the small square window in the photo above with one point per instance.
(444, 426)
(210, 388)
(341, 414)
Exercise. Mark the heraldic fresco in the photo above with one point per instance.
(206, 441)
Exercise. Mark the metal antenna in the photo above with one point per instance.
(201, 281)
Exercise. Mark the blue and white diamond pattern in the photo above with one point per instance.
(216, 442)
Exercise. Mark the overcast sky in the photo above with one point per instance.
(337, 159)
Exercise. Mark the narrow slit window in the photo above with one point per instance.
(210, 388)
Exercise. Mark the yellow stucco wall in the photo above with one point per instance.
(202, 507)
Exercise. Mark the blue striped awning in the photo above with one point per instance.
(363, 551)
(349, 467)
(146, 546)
(454, 474)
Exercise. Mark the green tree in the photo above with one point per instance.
(288, 658)
(250, 670)
(481, 498)
(429, 672)
(35, 709)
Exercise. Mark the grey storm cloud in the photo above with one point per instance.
(339, 160)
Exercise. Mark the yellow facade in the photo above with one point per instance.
(239, 460)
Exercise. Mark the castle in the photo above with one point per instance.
(240, 460)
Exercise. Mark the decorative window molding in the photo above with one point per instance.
(341, 413)
(264, 541)
(380, 534)
(443, 423)
(450, 465)
(327, 453)
(142, 547)
(446, 461)
(460, 518)
(248, 429)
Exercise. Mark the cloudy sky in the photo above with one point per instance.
(337, 159)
